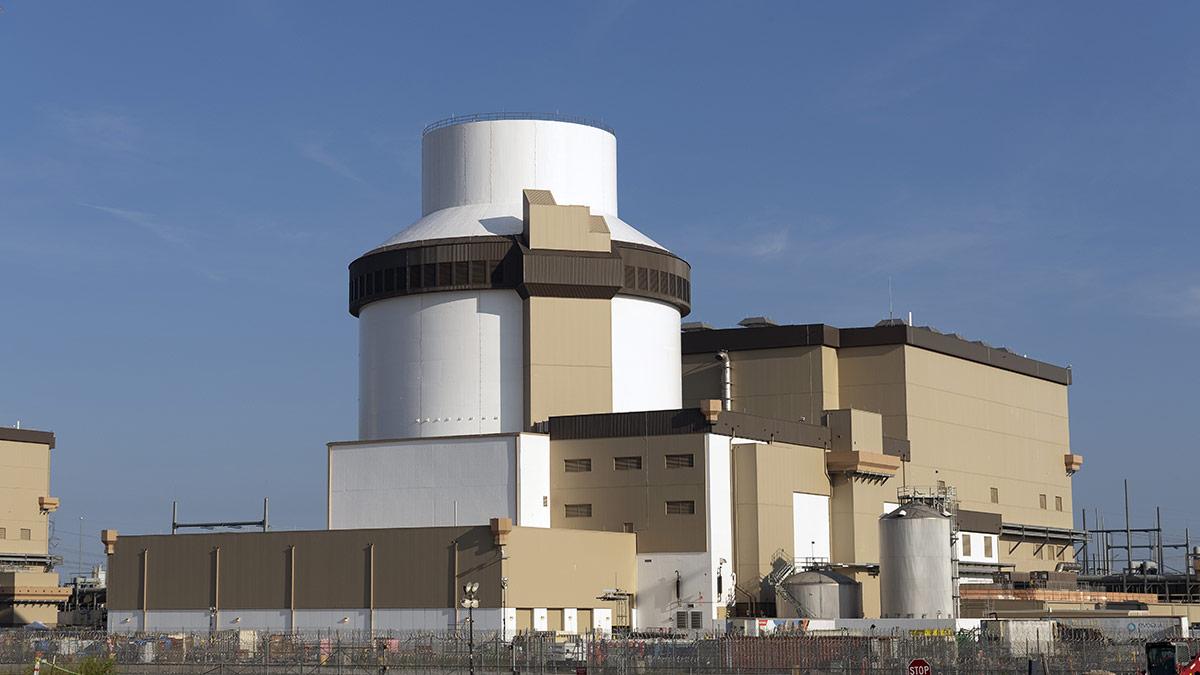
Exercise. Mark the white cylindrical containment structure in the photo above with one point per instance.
(443, 305)
(915, 574)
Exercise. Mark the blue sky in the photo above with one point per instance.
(183, 184)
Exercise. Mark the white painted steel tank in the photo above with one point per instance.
(915, 579)
(824, 594)
(450, 362)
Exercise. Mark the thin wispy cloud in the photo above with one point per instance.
(102, 129)
(170, 234)
(317, 152)
(769, 244)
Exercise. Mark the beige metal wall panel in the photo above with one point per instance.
(568, 357)
(872, 379)
(568, 568)
(765, 476)
(24, 476)
(786, 383)
(554, 619)
(855, 508)
(637, 497)
(977, 427)
(565, 228)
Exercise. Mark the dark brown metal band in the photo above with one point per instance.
(477, 263)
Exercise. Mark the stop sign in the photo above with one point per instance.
(919, 667)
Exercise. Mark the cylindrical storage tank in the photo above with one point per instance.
(441, 321)
(823, 594)
(915, 579)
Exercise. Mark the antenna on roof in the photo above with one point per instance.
(890, 299)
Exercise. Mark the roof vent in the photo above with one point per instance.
(693, 326)
(757, 322)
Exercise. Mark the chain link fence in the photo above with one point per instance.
(352, 653)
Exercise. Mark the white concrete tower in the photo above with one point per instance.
(519, 293)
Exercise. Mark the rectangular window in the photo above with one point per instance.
(987, 547)
(681, 620)
(697, 620)
(627, 527)
(966, 545)
(1058, 503)
(941, 486)
(681, 508)
(1042, 501)
(686, 461)
(579, 510)
(578, 465)
(3, 533)
(26, 535)
(995, 495)
(627, 463)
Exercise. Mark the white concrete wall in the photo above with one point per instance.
(656, 599)
(810, 525)
(423, 482)
(645, 355)
(978, 547)
(441, 364)
(533, 480)
(718, 487)
(492, 162)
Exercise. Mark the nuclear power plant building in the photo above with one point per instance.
(534, 416)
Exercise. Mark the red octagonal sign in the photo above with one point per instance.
(919, 667)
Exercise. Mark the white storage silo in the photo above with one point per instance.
(915, 564)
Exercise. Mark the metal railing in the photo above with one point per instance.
(496, 116)
(446, 652)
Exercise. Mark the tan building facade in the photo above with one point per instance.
(29, 589)
(372, 579)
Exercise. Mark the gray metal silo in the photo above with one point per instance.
(823, 594)
(915, 574)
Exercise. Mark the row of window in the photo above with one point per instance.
(490, 272)
(26, 533)
(682, 507)
(630, 463)
(1042, 500)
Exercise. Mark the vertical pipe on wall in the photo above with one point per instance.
(726, 380)
(371, 588)
(292, 587)
(217, 585)
(145, 583)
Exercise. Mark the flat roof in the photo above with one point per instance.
(819, 334)
(521, 116)
(27, 436)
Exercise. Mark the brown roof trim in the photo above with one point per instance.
(27, 436)
(811, 335)
(685, 421)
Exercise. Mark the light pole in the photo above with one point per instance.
(470, 601)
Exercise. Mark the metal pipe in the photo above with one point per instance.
(726, 380)
(1128, 534)
(266, 500)
(1158, 536)
(1083, 512)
